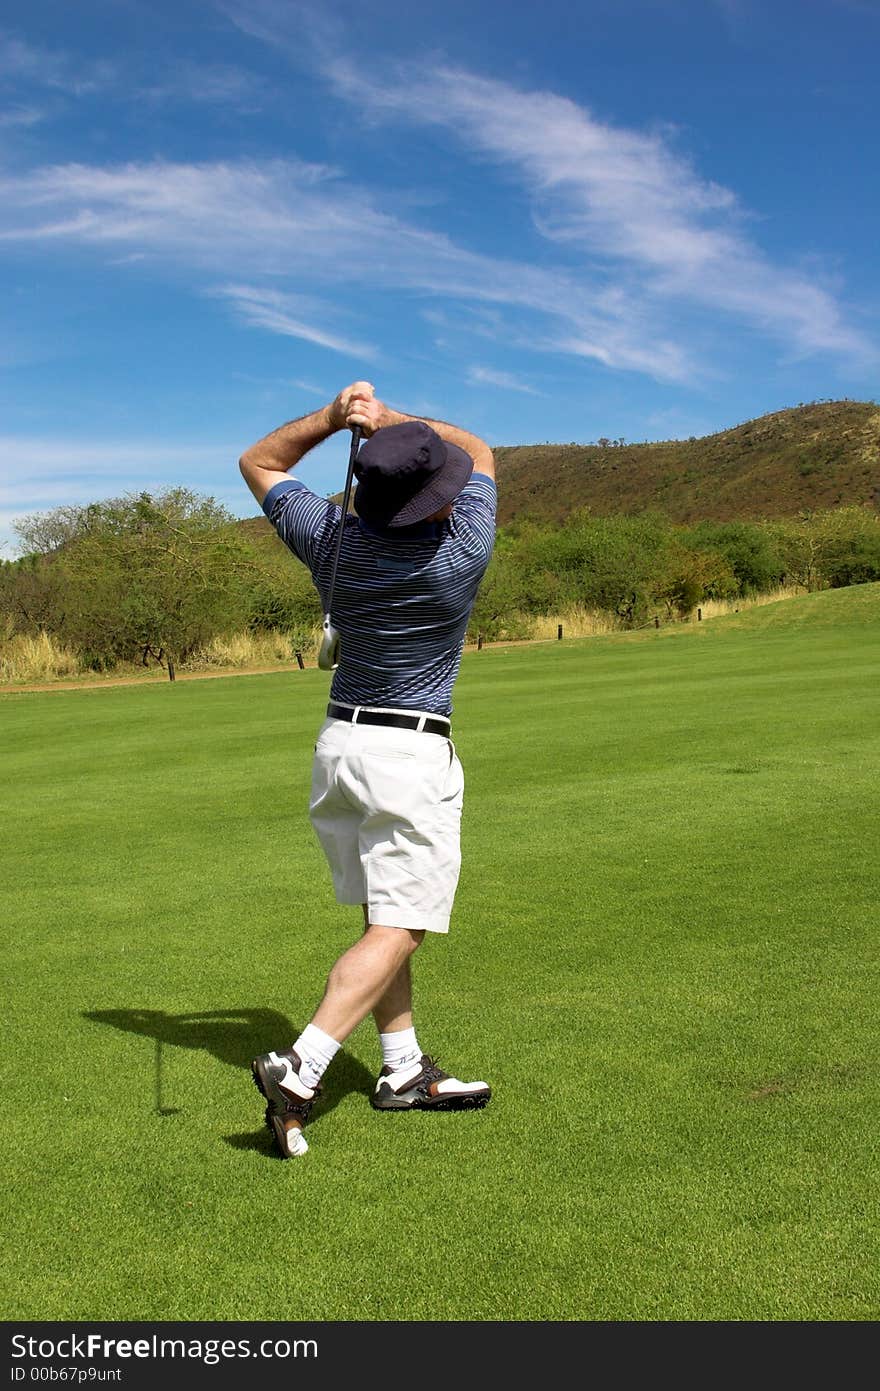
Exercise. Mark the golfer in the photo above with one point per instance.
(387, 785)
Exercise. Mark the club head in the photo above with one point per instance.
(328, 652)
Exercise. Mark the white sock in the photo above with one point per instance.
(316, 1051)
(400, 1049)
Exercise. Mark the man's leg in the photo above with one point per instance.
(410, 1080)
(350, 812)
(393, 1015)
(372, 975)
(393, 1010)
(358, 980)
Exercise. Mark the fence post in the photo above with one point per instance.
(299, 660)
(656, 621)
(699, 615)
(559, 632)
(171, 676)
(479, 641)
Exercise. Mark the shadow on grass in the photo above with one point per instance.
(234, 1036)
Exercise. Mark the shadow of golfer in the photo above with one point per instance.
(235, 1036)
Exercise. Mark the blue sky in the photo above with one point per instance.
(554, 221)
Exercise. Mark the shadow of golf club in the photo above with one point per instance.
(235, 1036)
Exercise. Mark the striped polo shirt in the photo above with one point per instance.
(403, 595)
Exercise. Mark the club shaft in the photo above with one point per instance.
(355, 444)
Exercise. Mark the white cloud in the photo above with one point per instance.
(38, 474)
(178, 80)
(301, 223)
(658, 244)
(311, 389)
(651, 253)
(41, 472)
(205, 84)
(487, 376)
(623, 195)
(23, 62)
(20, 117)
(270, 309)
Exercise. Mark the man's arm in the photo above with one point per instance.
(271, 458)
(373, 415)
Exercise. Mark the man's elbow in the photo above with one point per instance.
(250, 472)
(247, 463)
(484, 462)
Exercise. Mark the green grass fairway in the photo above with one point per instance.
(664, 957)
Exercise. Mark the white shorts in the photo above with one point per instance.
(386, 806)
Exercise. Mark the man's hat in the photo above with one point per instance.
(406, 473)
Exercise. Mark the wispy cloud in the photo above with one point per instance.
(623, 195)
(667, 241)
(294, 222)
(272, 310)
(487, 376)
(271, 387)
(206, 84)
(179, 80)
(20, 117)
(45, 67)
(310, 388)
(34, 471)
(651, 254)
(649, 249)
(37, 474)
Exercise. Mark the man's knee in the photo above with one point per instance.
(403, 940)
(412, 938)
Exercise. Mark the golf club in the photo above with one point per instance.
(328, 653)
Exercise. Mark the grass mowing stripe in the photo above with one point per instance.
(663, 956)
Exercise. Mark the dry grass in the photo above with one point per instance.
(38, 658)
(717, 608)
(576, 622)
(43, 659)
(238, 650)
(580, 622)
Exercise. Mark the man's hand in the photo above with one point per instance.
(279, 452)
(372, 415)
(271, 458)
(344, 411)
(357, 405)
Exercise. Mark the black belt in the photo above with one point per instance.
(432, 724)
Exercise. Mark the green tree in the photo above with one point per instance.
(31, 594)
(836, 547)
(145, 574)
(604, 562)
(749, 549)
(686, 575)
(504, 599)
(281, 594)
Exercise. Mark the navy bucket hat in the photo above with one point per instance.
(406, 473)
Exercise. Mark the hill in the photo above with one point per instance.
(808, 457)
(811, 457)
(854, 608)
